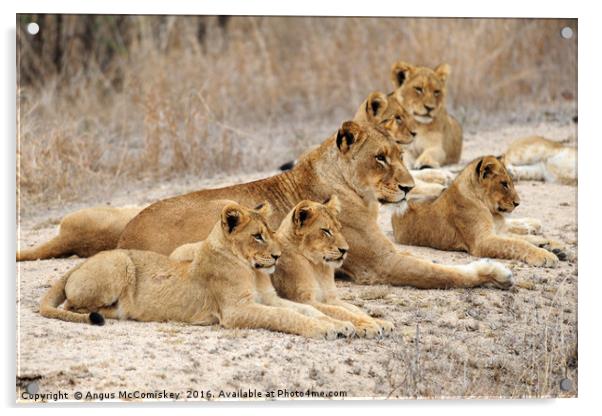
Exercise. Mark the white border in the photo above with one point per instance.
(590, 31)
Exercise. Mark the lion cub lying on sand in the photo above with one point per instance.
(313, 246)
(468, 216)
(224, 283)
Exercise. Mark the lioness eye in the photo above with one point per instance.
(381, 159)
(418, 90)
(505, 184)
(437, 93)
(258, 237)
(327, 232)
(398, 119)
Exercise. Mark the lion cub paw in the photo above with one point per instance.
(542, 258)
(385, 326)
(368, 329)
(489, 271)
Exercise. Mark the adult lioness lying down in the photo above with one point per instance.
(362, 165)
(225, 283)
(469, 216)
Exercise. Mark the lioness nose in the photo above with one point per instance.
(413, 133)
(429, 108)
(405, 189)
(516, 204)
(343, 250)
(275, 256)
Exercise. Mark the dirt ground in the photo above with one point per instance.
(447, 343)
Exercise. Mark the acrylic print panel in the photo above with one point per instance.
(116, 113)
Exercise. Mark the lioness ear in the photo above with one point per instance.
(265, 209)
(376, 104)
(502, 159)
(302, 214)
(232, 217)
(347, 135)
(333, 204)
(400, 71)
(443, 71)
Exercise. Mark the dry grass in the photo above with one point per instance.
(109, 99)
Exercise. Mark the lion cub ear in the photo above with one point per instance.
(302, 214)
(400, 72)
(347, 135)
(232, 218)
(443, 71)
(502, 159)
(376, 104)
(484, 167)
(333, 204)
(264, 209)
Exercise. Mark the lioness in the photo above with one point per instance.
(312, 247)
(539, 159)
(421, 92)
(469, 216)
(225, 283)
(362, 165)
(84, 233)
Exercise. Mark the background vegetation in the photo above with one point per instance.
(112, 99)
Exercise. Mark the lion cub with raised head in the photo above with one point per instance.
(313, 246)
(219, 286)
(421, 92)
(469, 216)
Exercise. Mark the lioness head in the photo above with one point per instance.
(248, 235)
(372, 162)
(319, 232)
(386, 111)
(420, 90)
(496, 184)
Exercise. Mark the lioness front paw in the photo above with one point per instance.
(386, 326)
(343, 328)
(494, 272)
(542, 258)
(368, 329)
(324, 331)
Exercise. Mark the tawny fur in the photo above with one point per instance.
(422, 92)
(469, 216)
(539, 159)
(312, 247)
(226, 283)
(362, 165)
(84, 233)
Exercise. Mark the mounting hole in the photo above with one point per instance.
(565, 384)
(566, 32)
(32, 388)
(33, 28)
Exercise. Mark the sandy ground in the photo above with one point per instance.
(447, 343)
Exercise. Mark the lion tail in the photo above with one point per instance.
(55, 247)
(56, 296)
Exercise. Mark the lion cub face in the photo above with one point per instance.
(497, 185)
(420, 90)
(249, 237)
(320, 238)
(386, 111)
(372, 162)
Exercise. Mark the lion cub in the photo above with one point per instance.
(220, 285)
(539, 159)
(312, 248)
(468, 216)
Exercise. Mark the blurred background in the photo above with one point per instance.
(105, 101)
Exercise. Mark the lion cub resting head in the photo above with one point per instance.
(469, 216)
(313, 246)
(222, 284)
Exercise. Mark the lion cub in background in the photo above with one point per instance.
(468, 216)
(220, 285)
(312, 248)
